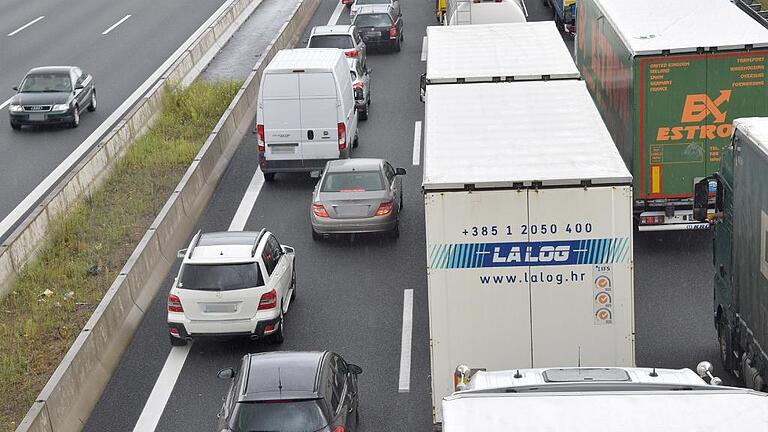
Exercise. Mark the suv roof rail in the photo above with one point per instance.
(258, 240)
(195, 241)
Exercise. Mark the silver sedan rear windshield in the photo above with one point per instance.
(218, 277)
(359, 181)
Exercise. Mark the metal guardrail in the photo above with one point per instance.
(753, 9)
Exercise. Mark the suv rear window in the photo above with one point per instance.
(331, 41)
(360, 181)
(280, 415)
(221, 277)
(373, 20)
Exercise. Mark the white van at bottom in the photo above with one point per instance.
(306, 111)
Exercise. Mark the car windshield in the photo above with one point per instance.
(278, 416)
(373, 20)
(331, 41)
(359, 181)
(218, 277)
(46, 83)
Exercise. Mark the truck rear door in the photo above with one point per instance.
(282, 116)
(319, 116)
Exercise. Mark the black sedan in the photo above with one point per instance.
(379, 25)
(52, 95)
(286, 391)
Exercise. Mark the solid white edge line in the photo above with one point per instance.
(416, 143)
(2, 105)
(157, 400)
(66, 165)
(248, 201)
(115, 25)
(424, 49)
(26, 25)
(405, 348)
(336, 14)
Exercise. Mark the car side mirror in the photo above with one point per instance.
(226, 373)
(181, 253)
(701, 200)
(400, 171)
(355, 369)
(423, 87)
(16, 88)
(288, 249)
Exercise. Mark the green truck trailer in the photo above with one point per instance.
(741, 250)
(669, 77)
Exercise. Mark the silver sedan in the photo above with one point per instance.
(357, 196)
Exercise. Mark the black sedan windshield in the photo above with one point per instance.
(46, 83)
(278, 416)
(373, 20)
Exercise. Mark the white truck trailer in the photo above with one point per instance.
(495, 53)
(528, 230)
(602, 399)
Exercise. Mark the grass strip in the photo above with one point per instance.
(56, 294)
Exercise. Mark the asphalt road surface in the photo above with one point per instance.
(71, 33)
(351, 292)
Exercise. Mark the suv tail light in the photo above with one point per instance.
(268, 300)
(342, 136)
(260, 135)
(174, 303)
(352, 53)
(393, 32)
(384, 208)
(319, 210)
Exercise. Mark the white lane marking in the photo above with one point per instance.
(416, 143)
(115, 25)
(2, 105)
(336, 14)
(424, 49)
(155, 405)
(66, 165)
(26, 25)
(248, 201)
(405, 348)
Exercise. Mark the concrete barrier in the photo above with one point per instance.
(76, 386)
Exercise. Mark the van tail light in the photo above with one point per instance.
(342, 136)
(260, 135)
(352, 53)
(319, 211)
(174, 303)
(384, 208)
(393, 32)
(268, 300)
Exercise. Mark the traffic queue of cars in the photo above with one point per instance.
(242, 283)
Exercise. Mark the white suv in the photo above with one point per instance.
(230, 283)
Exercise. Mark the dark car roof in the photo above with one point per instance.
(50, 69)
(283, 375)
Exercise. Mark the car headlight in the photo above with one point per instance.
(60, 107)
(15, 108)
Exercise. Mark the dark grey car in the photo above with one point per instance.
(291, 391)
(52, 95)
(357, 196)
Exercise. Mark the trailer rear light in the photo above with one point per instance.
(268, 300)
(319, 210)
(260, 135)
(342, 136)
(393, 32)
(352, 53)
(174, 303)
(652, 220)
(384, 208)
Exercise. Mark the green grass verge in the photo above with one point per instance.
(56, 293)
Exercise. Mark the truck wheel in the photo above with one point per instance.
(723, 344)
(269, 177)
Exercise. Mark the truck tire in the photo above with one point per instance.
(722, 341)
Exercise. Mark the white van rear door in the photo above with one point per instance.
(319, 116)
(282, 116)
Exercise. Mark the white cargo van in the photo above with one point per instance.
(306, 111)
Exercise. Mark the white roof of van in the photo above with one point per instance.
(498, 134)
(651, 26)
(306, 59)
(756, 128)
(525, 51)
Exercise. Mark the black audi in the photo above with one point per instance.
(52, 95)
(291, 391)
